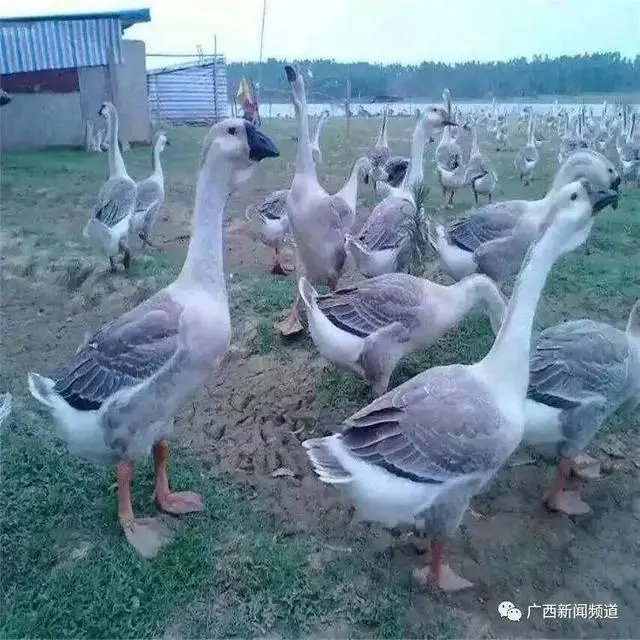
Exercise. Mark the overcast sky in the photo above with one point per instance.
(406, 31)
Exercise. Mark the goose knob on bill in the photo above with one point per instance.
(115, 399)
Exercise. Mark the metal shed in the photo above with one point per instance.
(195, 92)
(58, 69)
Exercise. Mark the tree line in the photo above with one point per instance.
(327, 80)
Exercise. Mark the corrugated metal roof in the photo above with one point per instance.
(188, 93)
(36, 46)
(127, 17)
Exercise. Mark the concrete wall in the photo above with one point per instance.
(52, 119)
(41, 120)
(132, 92)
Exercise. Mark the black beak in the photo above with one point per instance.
(260, 146)
(366, 178)
(290, 71)
(603, 198)
(449, 123)
(5, 98)
(167, 143)
(615, 185)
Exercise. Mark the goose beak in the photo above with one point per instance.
(603, 198)
(447, 122)
(366, 178)
(291, 72)
(260, 146)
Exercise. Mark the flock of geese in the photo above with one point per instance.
(418, 453)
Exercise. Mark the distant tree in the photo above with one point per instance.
(566, 75)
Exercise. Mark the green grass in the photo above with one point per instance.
(67, 570)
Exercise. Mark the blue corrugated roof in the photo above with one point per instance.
(127, 17)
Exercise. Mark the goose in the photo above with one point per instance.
(315, 145)
(480, 174)
(316, 218)
(528, 157)
(383, 244)
(485, 241)
(110, 222)
(5, 98)
(269, 223)
(581, 372)
(349, 192)
(115, 398)
(150, 194)
(447, 150)
(381, 152)
(451, 179)
(369, 327)
(416, 455)
(630, 154)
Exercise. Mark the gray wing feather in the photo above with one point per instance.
(274, 206)
(575, 362)
(148, 193)
(433, 428)
(373, 304)
(485, 223)
(121, 354)
(116, 201)
(502, 258)
(388, 227)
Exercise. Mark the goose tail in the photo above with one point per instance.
(307, 293)
(359, 252)
(325, 462)
(42, 389)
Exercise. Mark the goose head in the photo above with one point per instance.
(572, 207)
(297, 83)
(106, 109)
(593, 166)
(5, 98)
(162, 141)
(238, 146)
(436, 118)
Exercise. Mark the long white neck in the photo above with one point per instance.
(304, 152)
(531, 142)
(474, 289)
(116, 163)
(508, 359)
(382, 136)
(415, 173)
(157, 167)
(349, 193)
(316, 137)
(203, 266)
(633, 326)
(475, 148)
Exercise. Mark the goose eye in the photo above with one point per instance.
(610, 170)
(574, 196)
(231, 131)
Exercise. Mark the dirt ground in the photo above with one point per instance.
(248, 425)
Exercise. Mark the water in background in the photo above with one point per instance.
(359, 109)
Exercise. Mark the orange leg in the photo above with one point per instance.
(557, 498)
(147, 535)
(176, 503)
(440, 574)
(279, 268)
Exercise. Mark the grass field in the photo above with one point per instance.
(276, 554)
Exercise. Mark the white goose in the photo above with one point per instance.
(317, 219)
(116, 397)
(370, 326)
(528, 157)
(480, 174)
(150, 194)
(581, 372)
(383, 244)
(315, 145)
(110, 222)
(349, 192)
(269, 223)
(416, 455)
(493, 239)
